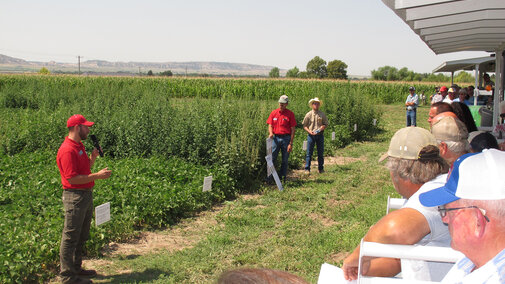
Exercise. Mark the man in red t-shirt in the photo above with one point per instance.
(78, 181)
(281, 128)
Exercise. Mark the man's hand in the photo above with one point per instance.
(95, 153)
(350, 267)
(290, 147)
(103, 173)
(502, 146)
(271, 135)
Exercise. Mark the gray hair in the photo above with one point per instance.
(421, 170)
(459, 147)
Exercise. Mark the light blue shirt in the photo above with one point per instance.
(412, 99)
(493, 272)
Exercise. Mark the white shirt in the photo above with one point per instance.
(438, 236)
(447, 100)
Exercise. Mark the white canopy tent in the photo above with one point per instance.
(479, 65)
(459, 25)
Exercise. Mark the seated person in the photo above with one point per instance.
(451, 135)
(258, 276)
(480, 140)
(473, 209)
(438, 108)
(465, 115)
(415, 166)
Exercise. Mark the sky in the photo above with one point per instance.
(365, 34)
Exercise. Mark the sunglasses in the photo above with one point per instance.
(443, 211)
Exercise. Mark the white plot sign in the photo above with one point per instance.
(304, 147)
(333, 136)
(270, 142)
(271, 169)
(207, 183)
(102, 213)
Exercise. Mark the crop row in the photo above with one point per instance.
(160, 138)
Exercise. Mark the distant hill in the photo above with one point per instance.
(11, 64)
(4, 59)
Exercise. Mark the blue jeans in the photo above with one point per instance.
(281, 144)
(411, 117)
(317, 140)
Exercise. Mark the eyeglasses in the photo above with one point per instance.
(443, 211)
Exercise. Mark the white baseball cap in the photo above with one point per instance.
(475, 176)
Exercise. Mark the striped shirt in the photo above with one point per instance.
(493, 272)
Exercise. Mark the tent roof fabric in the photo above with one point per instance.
(486, 64)
(454, 25)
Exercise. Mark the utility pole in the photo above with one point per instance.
(139, 70)
(79, 63)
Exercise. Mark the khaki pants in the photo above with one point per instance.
(78, 206)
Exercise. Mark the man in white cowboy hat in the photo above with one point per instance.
(315, 122)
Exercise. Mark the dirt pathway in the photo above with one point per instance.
(188, 232)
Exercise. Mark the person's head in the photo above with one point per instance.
(413, 159)
(283, 102)
(259, 276)
(480, 140)
(451, 135)
(412, 90)
(315, 103)
(78, 127)
(463, 94)
(465, 115)
(443, 91)
(438, 108)
(473, 208)
(452, 93)
(486, 77)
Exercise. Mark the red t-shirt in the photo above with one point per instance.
(281, 121)
(72, 161)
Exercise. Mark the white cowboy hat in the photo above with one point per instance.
(315, 100)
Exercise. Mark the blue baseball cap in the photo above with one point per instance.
(476, 176)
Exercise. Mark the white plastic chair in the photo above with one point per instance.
(414, 252)
(394, 203)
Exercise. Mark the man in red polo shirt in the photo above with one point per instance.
(281, 128)
(78, 181)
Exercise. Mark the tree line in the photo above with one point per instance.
(317, 68)
(390, 73)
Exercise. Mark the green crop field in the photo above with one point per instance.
(161, 137)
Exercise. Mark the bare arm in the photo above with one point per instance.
(92, 157)
(404, 226)
(290, 146)
(270, 131)
(82, 179)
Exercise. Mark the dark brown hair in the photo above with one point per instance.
(259, 276)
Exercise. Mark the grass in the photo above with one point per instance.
(314, 220)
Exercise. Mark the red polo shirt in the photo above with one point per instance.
(72, 161)
(281, 121)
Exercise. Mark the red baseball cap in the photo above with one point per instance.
(443, 89)
(78, 119)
